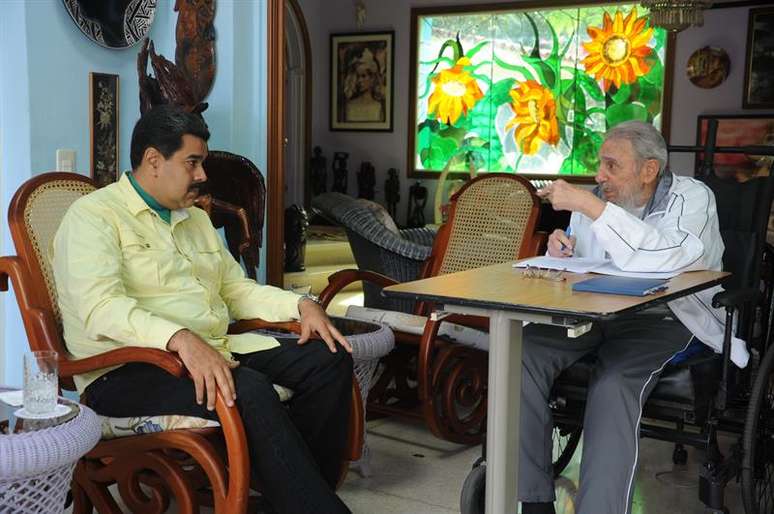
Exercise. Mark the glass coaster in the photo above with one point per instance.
(59, 410)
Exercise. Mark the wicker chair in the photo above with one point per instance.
(492, 219)
(210, 465)
(378, 245)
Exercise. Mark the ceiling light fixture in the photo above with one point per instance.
(676, 15)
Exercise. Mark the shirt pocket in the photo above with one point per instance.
(206, 264)
(141, 259)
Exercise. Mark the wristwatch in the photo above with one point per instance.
(310, 296)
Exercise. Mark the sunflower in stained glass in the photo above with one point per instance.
(456, 92)
(618, 49)
(534, 117)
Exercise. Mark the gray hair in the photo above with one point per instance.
(646, 140)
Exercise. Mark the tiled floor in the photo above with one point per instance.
(412, 472)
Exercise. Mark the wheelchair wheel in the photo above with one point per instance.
(566, 440)
(758, 442)
(473, 493)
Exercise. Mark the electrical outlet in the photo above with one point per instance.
(65, 160)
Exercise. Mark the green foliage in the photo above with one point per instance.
(581, 103)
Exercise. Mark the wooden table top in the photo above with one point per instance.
(502, 287)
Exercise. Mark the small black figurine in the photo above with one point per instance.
(366, 180)
(417, 201)
(392, 191)
(340, 172)
(296, 224)
(318, 172)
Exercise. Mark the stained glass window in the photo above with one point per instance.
(531, 91)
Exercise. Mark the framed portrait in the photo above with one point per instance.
(759, 64)
(362, 70)
(103, 127)
(531, 87)
(738, 130)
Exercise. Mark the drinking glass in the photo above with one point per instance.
(41, 377)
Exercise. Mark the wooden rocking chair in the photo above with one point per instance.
(208, 466)
(492, 219)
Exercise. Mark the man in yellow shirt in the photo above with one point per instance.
(136, 265)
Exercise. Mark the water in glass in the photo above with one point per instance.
(40, 382)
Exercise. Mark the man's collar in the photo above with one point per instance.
(134, 201)
(136, 204)
(658, 201)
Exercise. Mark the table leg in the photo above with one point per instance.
(502, 434)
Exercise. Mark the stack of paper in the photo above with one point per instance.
(587, 265)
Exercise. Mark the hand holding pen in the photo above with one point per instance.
(561, 243)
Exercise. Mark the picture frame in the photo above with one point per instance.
(103, 127)
(737, 130)
(759, 61)
(517, 55)
(362, 78)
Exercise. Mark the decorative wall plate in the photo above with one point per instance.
(708, 67)
(112, 23)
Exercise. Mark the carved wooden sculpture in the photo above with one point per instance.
(195, 53)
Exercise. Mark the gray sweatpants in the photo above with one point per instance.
(631, 353)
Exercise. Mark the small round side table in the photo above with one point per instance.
(36, 464)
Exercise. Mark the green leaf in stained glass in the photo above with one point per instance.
(623, 94)
(590, 86)
(473, 51)
(440, 151)
(525, 72)
(618, 113)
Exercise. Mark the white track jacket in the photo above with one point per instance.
(678, 231)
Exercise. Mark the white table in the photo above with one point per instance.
(508, 299)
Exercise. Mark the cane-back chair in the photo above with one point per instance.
(492, 219)
(206, 465)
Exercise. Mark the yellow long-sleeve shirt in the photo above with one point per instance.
(124, 277)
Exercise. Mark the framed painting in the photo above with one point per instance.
(362, 70)
(530, 87)
(738, 130)
(103, 127)
(759, 63)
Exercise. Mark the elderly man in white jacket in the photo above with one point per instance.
(643, 218)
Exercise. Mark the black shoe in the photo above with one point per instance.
(538, 508)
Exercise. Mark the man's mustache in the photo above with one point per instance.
(201, 187)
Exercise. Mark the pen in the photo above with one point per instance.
(569, 233)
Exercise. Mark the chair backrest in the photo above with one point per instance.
(34, 215)
(492, 220)
(236, 180)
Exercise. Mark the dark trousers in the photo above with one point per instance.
(295, 449)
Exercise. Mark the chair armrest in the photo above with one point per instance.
(246, 325)
(167, 361)
(734, 298)
(422, 235)
(241, 214)
(337, 281)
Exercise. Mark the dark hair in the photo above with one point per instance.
(163, 128)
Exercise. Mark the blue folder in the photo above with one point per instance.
(621, 285)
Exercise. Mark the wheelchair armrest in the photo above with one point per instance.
(342, 278)
(734, 298)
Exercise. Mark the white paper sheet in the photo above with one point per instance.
(587, 265)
